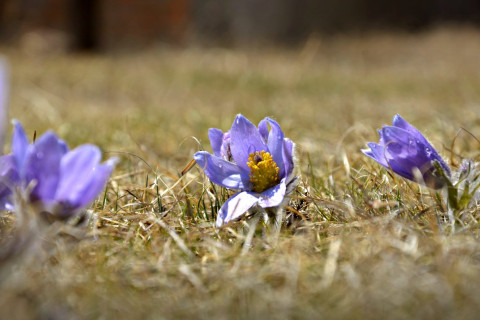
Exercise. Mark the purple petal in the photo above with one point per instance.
(399, 122)
(19, 144)
(383, 157)
(396, 134)
(226, 150)
(8, 171)
(400, 144)
(416, 147)
(263, 129)
(216, 140)
(222, 172)
(42, 164)
(100, 176)
(288, 146)
(381, 141)
(4, 92)
(235, 207)
(245, 139)
(77, 169)
(273, 196)
(376, 152)
(275, 145)
(404, 158)
(398, 156)
(402, 167)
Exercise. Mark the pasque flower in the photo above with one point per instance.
(4, 88)
(405, 150)
(256, 161)
(51, 178)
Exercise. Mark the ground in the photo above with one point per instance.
(363, 242)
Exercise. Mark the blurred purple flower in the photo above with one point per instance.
(406, 151)
(52, 179)
(4, 92)
(257, 161)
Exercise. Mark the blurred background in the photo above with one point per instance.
(110, 24)
(153, 72)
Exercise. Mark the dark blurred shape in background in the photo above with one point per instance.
(93, 24)
(84, 24)
(106, 24)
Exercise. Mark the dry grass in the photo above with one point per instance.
(373, 245)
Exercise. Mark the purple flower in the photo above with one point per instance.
(406, 151)
(4, 88)
(50, 177)
(256, 161)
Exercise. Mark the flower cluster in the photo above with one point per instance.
(256, 161)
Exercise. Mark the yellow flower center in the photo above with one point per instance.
(263, 171)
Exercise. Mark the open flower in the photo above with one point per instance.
(405, 150)
(53, 180)
(256, 161)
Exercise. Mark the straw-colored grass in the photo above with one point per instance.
(367, 244)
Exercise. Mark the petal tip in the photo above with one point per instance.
(201, 158)
(367, 152)
(239, 117)
(112, 162)
(397, 119)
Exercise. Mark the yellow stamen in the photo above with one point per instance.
(263, 171)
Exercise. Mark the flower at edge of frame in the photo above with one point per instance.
(51, 178)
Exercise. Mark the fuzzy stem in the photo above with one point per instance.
(277, 225)
(252, 226)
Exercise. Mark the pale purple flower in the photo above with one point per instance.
(4, 93)
(50, 177)
(406, 151)
(256, 161)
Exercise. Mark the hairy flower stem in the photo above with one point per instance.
(252, 226)
(278, 214)
(272, 229)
